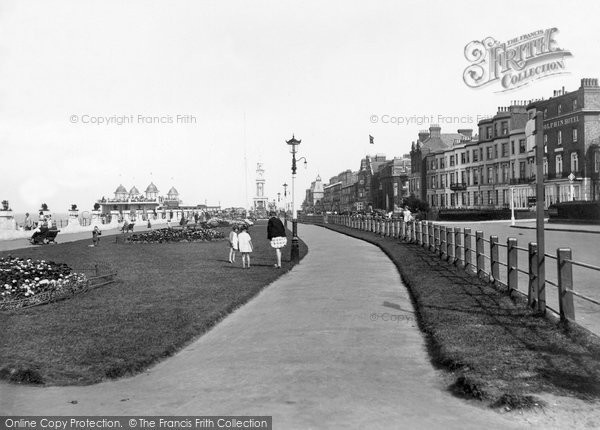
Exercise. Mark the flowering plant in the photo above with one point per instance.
(171, 235)
(24, 278)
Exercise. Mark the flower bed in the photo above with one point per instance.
(165, 235)
(27, 282)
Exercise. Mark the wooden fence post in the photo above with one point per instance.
(479, 253)
(450, 246)
(512, 265)
(457, 246)
(467, 249)
(494, 259)
(443, 243)
(533, 280)
(565, 284)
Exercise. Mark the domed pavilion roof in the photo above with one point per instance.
(152, 188)
(121, 189)
(172, 192)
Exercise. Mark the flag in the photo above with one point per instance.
(371, 140)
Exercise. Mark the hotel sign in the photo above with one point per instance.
(560, 122)
(514, 63)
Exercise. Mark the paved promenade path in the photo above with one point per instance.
(307, 351)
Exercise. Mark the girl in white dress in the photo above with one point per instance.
(245, 246)
(233, 243)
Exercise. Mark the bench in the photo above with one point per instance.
(44, 237)
(127, 227)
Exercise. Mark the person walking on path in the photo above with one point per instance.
(28, 224)
(96, 233)
(276, 234)
(245, 246)
(233, 243)
(407, 218)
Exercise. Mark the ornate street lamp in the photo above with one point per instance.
(295, 252)
(285, 203)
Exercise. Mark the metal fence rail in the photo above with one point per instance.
(455, 245)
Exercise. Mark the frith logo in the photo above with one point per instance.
(515, 63)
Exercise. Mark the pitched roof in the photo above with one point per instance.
(134, 190)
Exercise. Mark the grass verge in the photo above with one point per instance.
(495, 348)
(167, 295)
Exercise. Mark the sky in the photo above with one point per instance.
(246, 76)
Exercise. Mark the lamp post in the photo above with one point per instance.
(512, 205)
(285, 203)
(295, 252)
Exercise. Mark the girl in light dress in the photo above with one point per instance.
(233, 243)
(245, 246)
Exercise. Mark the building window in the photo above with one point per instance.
(442, 162)
(574, 135)
(452, 199)
(489, 132)
(559, 137)
(467, 156)
(490, 175)
(475, 156)
(505, 149)
(559, 108)
(395, 189)
(597, 161)
(496, 151)
(481, 154)
(522, 146)
(475, 176)
(545, 165)
(462, 157)
(489, 197)
(574, 104)
(545, 113)
(559, 165)
(512, 147)
(488, 152)
(504, 128)
(574, 162)
(522, 169)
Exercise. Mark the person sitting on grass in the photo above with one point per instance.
(233, 243)
(245, 246)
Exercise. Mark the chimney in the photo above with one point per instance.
(423, 135)
(468, 132)
(435, 130)
(589, 82)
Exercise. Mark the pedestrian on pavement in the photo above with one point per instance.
(245, 246)
(96, 233)
(276, 234)
(28, 224)
(407, 217)
(233, 243)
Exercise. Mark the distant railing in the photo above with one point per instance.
(455, 245)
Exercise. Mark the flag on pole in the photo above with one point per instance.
(371, 140)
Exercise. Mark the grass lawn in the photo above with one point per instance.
(165, 297)
(495, 348)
